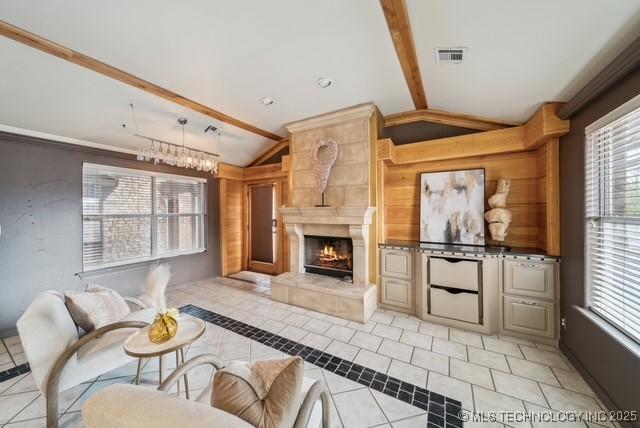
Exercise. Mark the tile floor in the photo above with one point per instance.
(255, 277)
(485, 373)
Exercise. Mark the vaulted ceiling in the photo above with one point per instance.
(228, 54)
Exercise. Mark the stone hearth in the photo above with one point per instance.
(325, 294)
(354, 301)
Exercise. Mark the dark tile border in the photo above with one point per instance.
(14, 371)
(442, 411)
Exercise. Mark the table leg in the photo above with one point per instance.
(177, 365)
(138, 371)
(186, 379)
(160, 367)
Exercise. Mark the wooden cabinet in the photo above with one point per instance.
(530, 294)
(488, 293)
(396, 264)
(454, 272)
(530, 316)
(455, 304)
(529, 279)
(396, 280)
(397, 292)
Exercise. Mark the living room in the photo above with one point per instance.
(301, 214)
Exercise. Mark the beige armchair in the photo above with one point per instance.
(125, 405)
(59, 358)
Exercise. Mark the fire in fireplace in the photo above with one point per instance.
(328, 255)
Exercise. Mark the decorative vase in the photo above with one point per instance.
(164, 327)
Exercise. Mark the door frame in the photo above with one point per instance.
(268, 268)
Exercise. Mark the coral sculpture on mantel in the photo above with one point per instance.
(322, 167)
(499, 217)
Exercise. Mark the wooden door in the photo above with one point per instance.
(263, 231)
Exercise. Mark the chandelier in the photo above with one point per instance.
(171, 154)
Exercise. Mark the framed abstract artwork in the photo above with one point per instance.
(452, 207)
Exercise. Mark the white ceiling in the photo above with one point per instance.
(227, 54)
(521, 53)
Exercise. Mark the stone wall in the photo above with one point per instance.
(136, 244)
(123, 195)
(349, 180)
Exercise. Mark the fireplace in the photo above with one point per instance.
(328, 255)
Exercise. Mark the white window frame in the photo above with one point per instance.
(154, 215)
(628, 107)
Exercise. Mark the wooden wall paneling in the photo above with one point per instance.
(263, 172)
(500, 141)
(382, 212)
(230, 172)
(223, 227)
(401, 194)
(524, 215)
(515, 166)
(447, 118)
(553, 197)
(376, 124)
(403, 232)
(30, 39)
(231, 226)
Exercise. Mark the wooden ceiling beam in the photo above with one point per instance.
(447, 118)
(270, 152)
(397, 16)
(545, 124)
(33, 40)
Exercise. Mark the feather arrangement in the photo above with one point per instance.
(155, 294)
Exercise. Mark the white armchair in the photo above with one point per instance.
(59, 358)
(132, 406)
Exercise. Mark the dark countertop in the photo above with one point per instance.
(468, 249)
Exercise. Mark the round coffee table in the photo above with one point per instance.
(138, 345)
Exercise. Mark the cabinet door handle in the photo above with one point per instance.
(527, 265)
(528, 302)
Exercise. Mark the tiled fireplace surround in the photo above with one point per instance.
(349, 214)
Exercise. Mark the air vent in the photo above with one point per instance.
(450, 55)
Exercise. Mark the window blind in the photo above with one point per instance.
(130, 216)
(612, 201)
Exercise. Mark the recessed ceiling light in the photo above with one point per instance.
(267, 101)
(325, 82)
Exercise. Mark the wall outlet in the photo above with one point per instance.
(563, 323)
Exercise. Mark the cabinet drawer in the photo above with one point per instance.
(456, 305)
(397, 292)
(529, 279)
(452, 272)
(396, 263)
(529, 316)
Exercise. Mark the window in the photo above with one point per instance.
(130, 216)
(612, 186)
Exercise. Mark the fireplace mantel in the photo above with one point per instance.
(351, 222)
(327, 215)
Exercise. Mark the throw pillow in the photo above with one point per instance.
(95, 307)
(266, 393)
